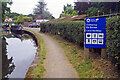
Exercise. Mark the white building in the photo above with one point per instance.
(8, 19)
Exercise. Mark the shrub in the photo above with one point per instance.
(113, 39)
(74, 32)
(71, 31)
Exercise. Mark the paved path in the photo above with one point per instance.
(56, 63)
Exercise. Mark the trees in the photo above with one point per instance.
(7, 64)
(12, 15)
(68, 11)
(5, 9)
(92, 11)
(20, 19)
(27, 19)
(81, 7)
(92, 8)
(31, 15)
(52, 17)
(41, 10)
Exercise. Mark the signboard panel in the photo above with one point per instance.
(95, 33)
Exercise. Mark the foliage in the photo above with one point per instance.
(105, 7)
(81, 7)
(39, 71)
(12, 15)
(7, 64)
(71, 31)
(31, 15)
(113, 39)
(52, 17)
(41, 10)
(68, 11)
(20, 19)
(14, 21)
(5, 9)
(74, 32)
(92, 11)
(27, 19)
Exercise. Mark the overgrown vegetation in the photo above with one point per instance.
(74, 32)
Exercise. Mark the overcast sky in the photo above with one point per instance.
(26, 6)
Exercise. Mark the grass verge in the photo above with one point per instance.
(90, 68)
(37, 71)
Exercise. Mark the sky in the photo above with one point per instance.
(26, 6)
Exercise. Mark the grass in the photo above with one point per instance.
(39, 69)
(2, 33)
(84, 67)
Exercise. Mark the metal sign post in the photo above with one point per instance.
(95, 33)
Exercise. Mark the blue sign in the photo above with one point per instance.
(95, 33)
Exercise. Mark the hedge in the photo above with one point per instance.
(113, 39)
(74, 32)
(71, 31)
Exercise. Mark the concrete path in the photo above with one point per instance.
(56, 63)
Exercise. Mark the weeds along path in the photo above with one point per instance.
(56, 62)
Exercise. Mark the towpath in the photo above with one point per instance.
(56, 63)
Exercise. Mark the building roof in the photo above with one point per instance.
(38, 18)
(68, 18)
(8, 18)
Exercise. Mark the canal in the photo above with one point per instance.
(18, 54)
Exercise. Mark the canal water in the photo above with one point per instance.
(18, 55)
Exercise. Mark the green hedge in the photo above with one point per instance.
(71, 31)
(74, 32)
(113, 39)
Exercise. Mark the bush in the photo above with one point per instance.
(113, 40)
(71, 31)
(12, 22)
(74, 32)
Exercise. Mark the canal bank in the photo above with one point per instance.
(19, 62)
(36, 69)
(18, 52)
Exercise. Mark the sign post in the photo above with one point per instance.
(95, 33)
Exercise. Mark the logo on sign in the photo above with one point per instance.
(92, 20)
(88, 20)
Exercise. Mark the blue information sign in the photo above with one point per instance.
(95, 33)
